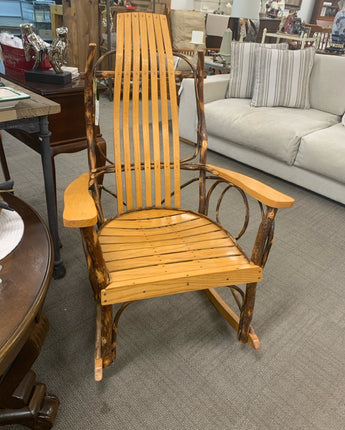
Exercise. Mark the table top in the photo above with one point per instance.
(44, 89)
(25, 273)
(209, 62)
(35, 106)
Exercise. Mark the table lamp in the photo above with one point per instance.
(197, 39)
(245, 10)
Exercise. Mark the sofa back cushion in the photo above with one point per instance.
(327, 84)
(243, 66)
(282, 78)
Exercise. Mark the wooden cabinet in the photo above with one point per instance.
(81, 19)
(324, 12)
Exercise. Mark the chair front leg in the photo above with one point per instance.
(246, 313)
(260, 253)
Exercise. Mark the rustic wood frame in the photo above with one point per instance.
(124, 253)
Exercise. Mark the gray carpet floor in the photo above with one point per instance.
(179, 364)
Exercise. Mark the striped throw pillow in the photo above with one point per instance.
(282, 78)
(242, 63)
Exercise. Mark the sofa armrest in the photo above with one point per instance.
(80, 210)
(214, 89)
(261, 192)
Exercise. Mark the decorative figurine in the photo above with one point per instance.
(58, 49)
(338, 29)
(31, 41)
(56, 52)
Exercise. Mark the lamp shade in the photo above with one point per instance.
(245, 9)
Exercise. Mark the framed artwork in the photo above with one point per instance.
(293, 3)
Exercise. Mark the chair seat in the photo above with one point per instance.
(167, 251)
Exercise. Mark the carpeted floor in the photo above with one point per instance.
(179, 365)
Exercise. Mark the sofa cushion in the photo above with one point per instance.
(242, 62)
(327, 84)
(282, 77)
(274, 131)
(323, 152)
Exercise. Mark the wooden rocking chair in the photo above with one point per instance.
(152, 246)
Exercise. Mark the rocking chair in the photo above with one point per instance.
(152, 246)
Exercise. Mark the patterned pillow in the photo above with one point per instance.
(282, 78)
(243, 66)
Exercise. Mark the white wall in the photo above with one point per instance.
(306, 10)
(304, 13)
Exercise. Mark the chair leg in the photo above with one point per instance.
(115, 326)
(231, 317)
(247, 313)
(106, 337)
(104, 341)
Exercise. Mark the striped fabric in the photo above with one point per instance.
(243, 67)
(282, 78)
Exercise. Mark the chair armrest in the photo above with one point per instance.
(265, 194)
(80, 210)
(214, 89)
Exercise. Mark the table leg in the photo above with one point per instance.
(44, 138)
(23, 400)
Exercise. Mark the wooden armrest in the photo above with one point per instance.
(265, 194)
(80, 210)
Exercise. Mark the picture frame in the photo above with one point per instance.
(293, 3)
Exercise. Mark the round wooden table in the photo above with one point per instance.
(25, 277)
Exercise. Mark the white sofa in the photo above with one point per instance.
(303, 146)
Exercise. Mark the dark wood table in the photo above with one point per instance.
(68, 130)
(25, 277)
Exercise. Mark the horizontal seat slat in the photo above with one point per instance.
(154, 260)
(156, 237)
(120, 252)
(180, 269)
(154, 286)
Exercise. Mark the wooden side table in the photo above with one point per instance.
(25, 277)
(68, 130)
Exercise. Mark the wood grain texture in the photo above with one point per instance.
(168, 251)
(81, 19)
(80, 210)
(35, 106)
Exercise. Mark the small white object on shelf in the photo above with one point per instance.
(197, 37)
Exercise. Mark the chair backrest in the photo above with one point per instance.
(323, 34)
(145, 118)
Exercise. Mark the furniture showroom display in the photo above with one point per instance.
(146, 244)
(303, 146)
(25, 275)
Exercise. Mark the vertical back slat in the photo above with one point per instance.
(126, 95)
(174, 110)
(145, 64)
(154, 109)
(135, 108)
(164, 110)
(144, 77)
(117, 111)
